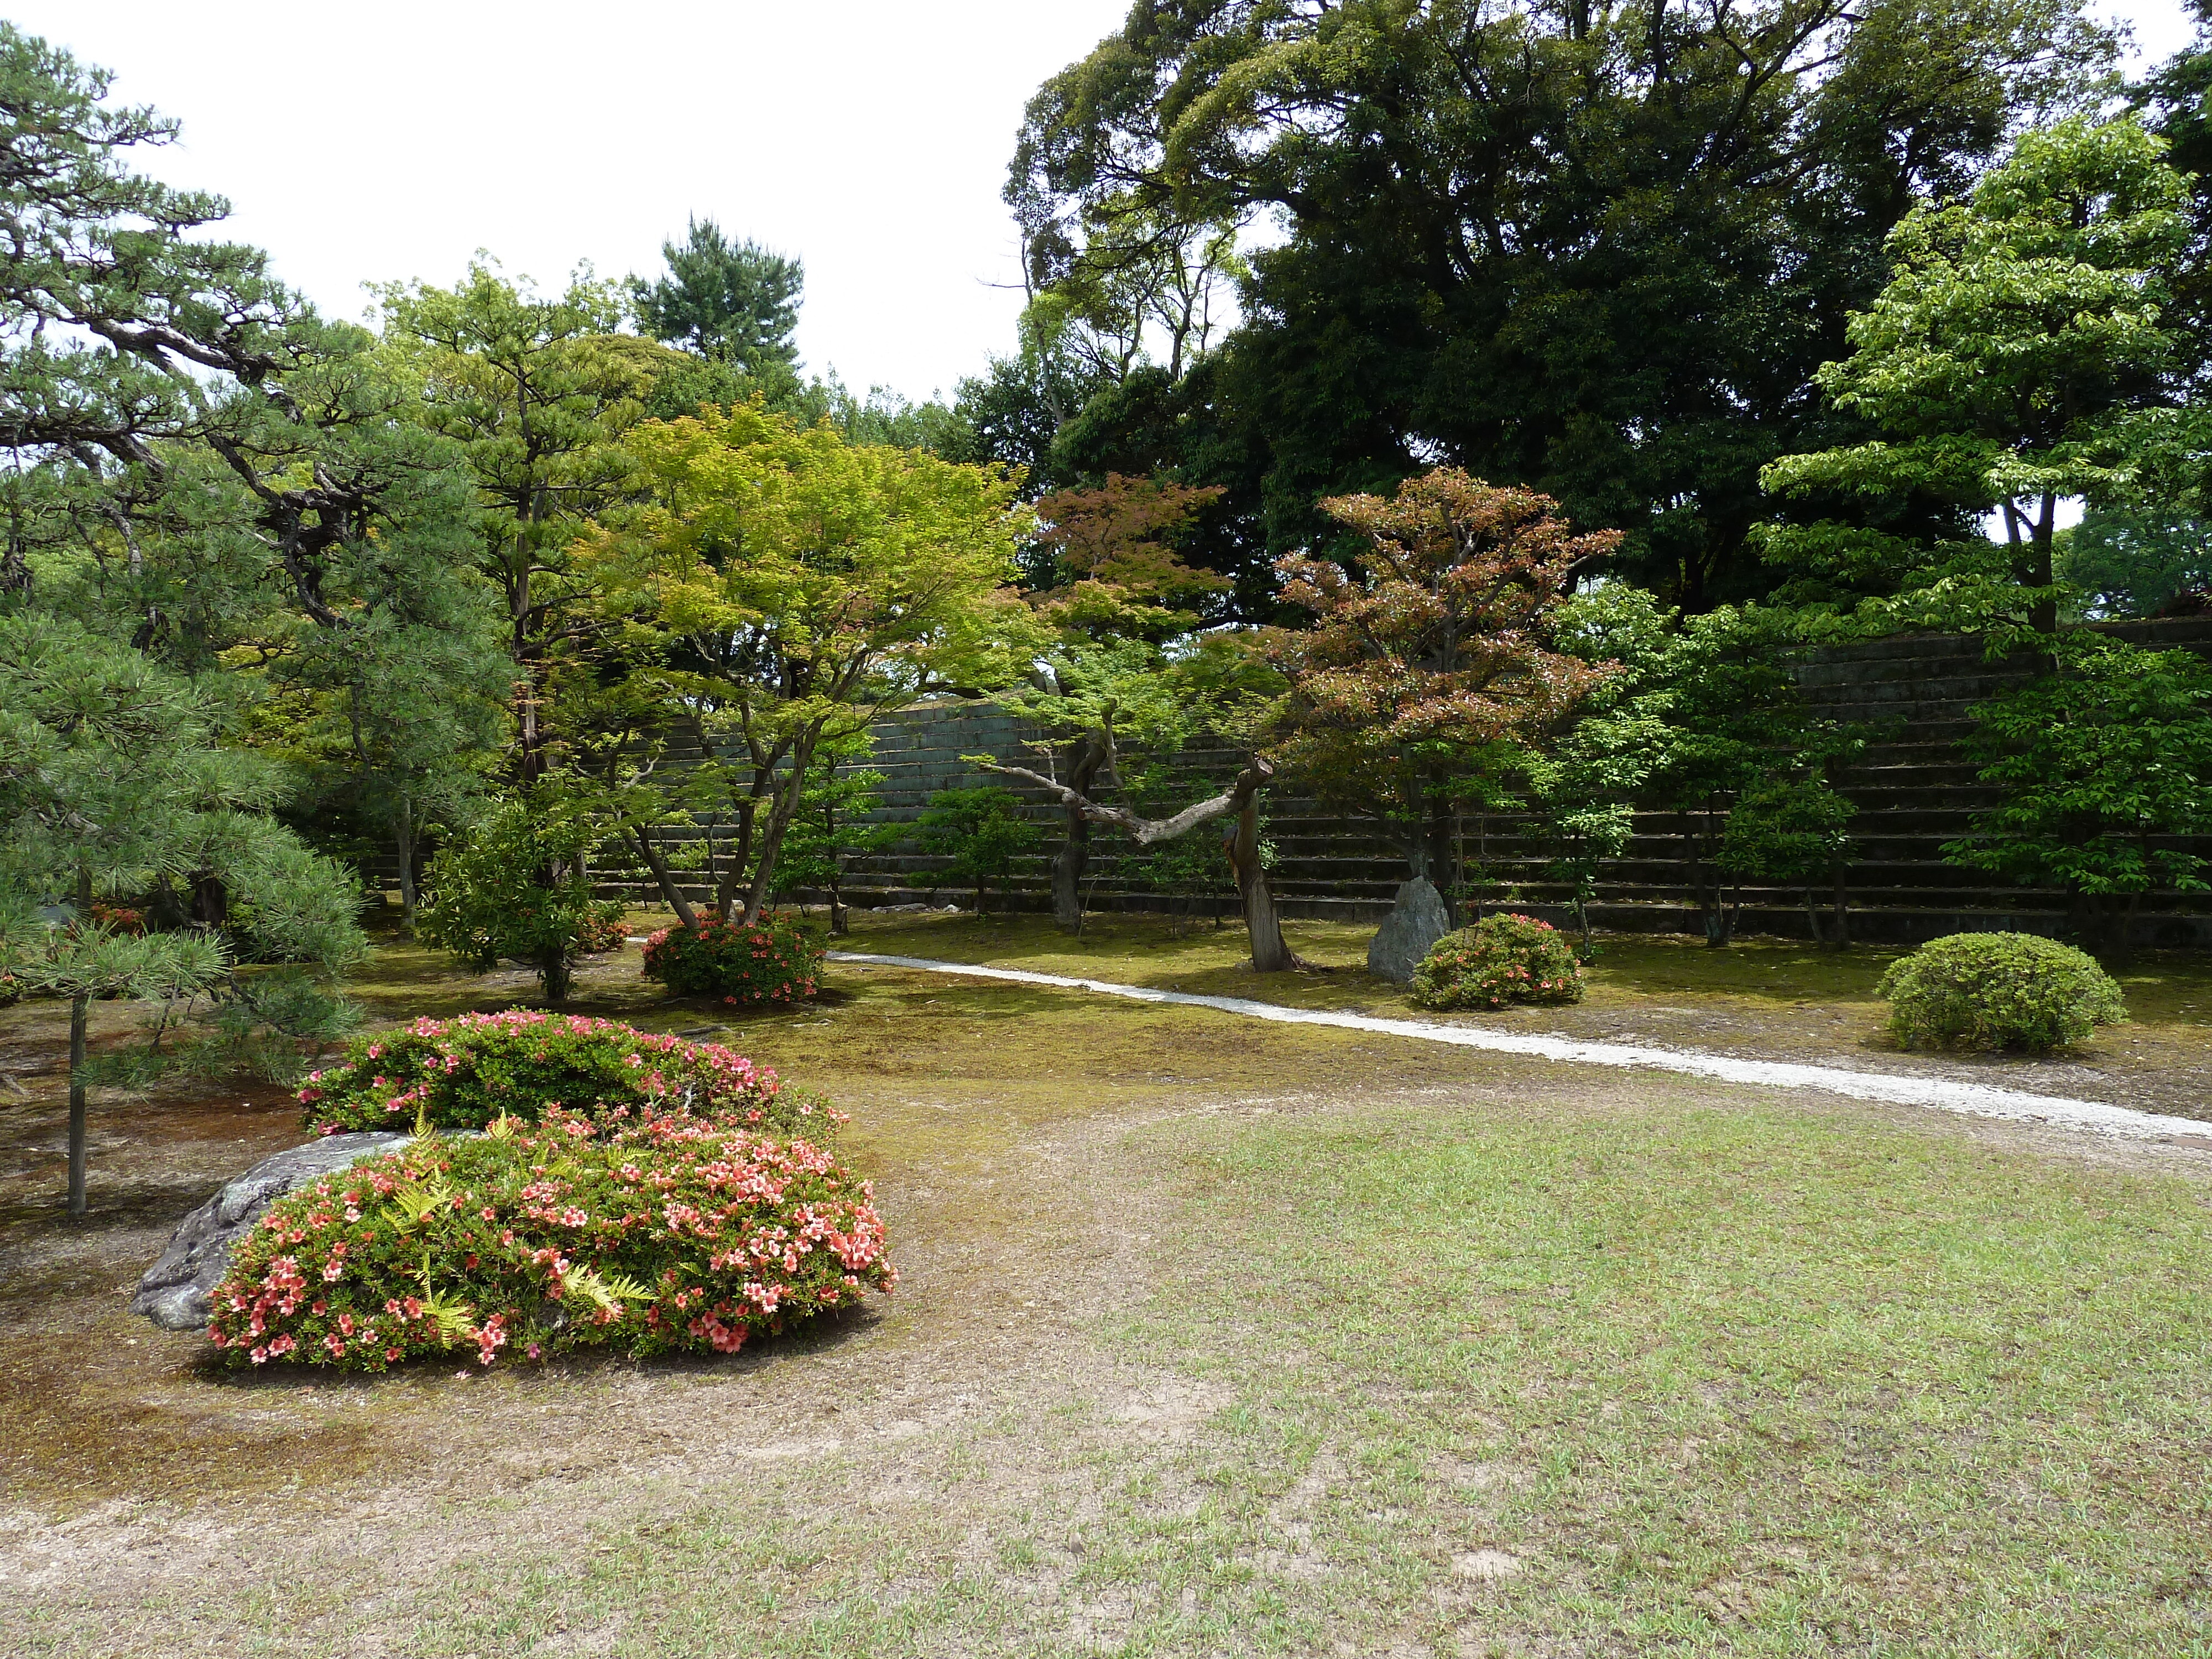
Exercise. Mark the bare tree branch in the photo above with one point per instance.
(1147, 832)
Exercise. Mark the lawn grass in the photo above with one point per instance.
(1217, 1337)
(1686, 1373)
(1714, 1375)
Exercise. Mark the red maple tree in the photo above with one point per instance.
(1431, 662)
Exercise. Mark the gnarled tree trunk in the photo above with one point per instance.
(1270, 955)
(1086, 757)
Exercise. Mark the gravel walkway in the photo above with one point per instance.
(1934, 1094)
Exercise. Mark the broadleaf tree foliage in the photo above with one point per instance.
(1595, 249)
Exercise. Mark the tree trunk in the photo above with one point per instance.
(783, 805)
(403, 836)
(665, 878)
(553, 967)
(2044, 617)
(1086, 756)
(80, 1009)
(1443, 864)
(726, 890)
(1842, 938)
(1270, 955)
(210, 901)
(1068, 869)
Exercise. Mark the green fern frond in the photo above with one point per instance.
(608, 1292)
(454, 1319)
(416, 1200)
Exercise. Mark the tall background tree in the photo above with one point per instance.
(731, 301)
(1598, 251)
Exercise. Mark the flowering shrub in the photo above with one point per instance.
(1501, 959)
(773, 960)
(117, 918)
(602, 928)
(464, 1074)
(642, 1231)
(1999, 991)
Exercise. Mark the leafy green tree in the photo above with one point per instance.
(518, 886)
(980, 833)
(2106, 766)
(536, 390)
(1594, 250)
(1701, 713)
(2123, 562)
(776, 591)
(201, 466)
(114, 779)
(2003, 363)
(1794, 830)
(1108, 579)
(733, 301)
(125, 328)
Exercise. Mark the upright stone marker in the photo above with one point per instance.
(1417, 921)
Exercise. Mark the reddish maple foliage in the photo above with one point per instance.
(1436, 648)
(1116, 546)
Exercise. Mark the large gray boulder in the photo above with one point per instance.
(1417, 921)
(175, 1291)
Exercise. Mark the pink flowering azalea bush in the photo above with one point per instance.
(464, 1074)
(642, 1231)
(773, 960)
(1501, 959)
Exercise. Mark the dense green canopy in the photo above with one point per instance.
(1599, 250)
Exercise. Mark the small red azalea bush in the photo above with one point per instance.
(646, 1231)
(1501, 959)
(772, 960)
(464, 1074)
(602, 928)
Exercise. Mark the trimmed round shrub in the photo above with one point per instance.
(465, 1073)
(647, 1232)
(770, 961)
(1999, 991)
(1501, 959)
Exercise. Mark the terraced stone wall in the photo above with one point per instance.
(1915, 790)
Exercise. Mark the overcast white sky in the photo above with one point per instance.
(870, 137)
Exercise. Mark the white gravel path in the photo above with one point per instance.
(1934, 1094)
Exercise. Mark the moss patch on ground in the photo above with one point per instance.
(1761, 998)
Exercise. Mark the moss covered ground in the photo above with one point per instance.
(1216, 1337)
